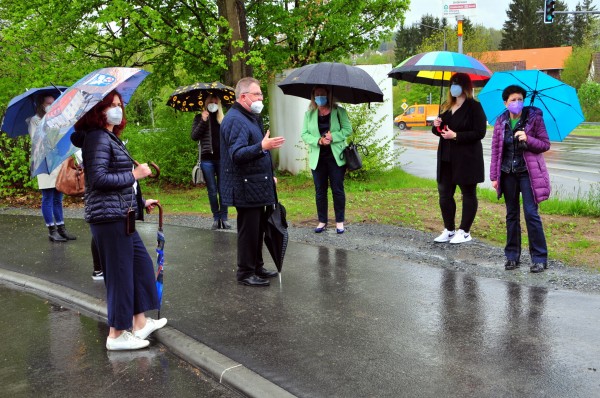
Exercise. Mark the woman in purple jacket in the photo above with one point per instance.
(518, 168)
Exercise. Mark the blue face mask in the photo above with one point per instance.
(455, 90)
(321, 100)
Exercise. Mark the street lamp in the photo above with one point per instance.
(443, 30)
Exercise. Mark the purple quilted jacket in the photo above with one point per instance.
(537, 143)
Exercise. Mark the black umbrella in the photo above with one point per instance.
(348, 83)
(276, 233)
(191, 98)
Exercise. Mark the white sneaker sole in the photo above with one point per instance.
(459, 241)
(129, 345)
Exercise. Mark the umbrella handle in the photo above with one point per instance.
(153, 165)
(160, 215)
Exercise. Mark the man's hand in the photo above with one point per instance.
(271, 143)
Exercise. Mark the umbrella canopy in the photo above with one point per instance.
(51, 143)
(191, 98)
(160, 257)
(276, 233)
(435, 68)
(348, 83)
(23, 106)
(557, 100)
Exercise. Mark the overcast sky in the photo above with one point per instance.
(491, 13)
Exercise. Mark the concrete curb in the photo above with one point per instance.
(221, 368)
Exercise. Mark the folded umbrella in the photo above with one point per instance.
(557, 100)
(348, 84)
(23, 106)
(160, 257)
(51, 143)
(191, 98)
(276, 233)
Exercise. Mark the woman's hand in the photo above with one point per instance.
(495, 184)
(521, 136)
(437, 122)
(150, 204)
(326, 139)
(205, 115)
(141, 171)
(448, 134)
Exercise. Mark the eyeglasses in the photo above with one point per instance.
(254, 94)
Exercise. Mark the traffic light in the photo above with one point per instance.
(549, 11)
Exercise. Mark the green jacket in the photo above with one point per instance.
(340, 130)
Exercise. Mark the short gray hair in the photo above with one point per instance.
(243, 84)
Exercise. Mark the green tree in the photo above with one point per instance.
(583, 24)
(409, 39)
(589, 96)
(525, 28)
(577, 66)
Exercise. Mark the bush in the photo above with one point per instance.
(589, 96)
(14, 166)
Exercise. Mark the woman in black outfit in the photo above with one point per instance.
(461, 127)
(206, 129)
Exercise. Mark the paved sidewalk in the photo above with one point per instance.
(341, 323)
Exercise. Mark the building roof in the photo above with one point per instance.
(535, 58)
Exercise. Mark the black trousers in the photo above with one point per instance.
(446, 189)
(250, 235)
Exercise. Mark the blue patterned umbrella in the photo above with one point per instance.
(557, 100)
(160, 257)
(51, 143)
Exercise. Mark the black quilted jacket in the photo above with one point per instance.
(246, 171)
(108, 177)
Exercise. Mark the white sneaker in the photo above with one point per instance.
(461, 237)
(445, 236)
(151, 326)
(126, 341)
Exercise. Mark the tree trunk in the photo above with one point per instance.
(234, 12)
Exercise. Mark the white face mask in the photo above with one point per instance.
(114, 116)
(47, 108)
(212, 107)
(256, 107)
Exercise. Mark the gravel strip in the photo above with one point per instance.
(475, 257)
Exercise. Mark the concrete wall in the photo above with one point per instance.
(287, 115)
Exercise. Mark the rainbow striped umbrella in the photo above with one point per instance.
(437, 67)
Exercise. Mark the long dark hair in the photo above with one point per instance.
(95, 118)
(40, 109)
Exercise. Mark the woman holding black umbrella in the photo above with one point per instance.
(461, 127)
(206, 129)
(326, 127)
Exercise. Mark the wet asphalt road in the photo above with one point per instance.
(51, 351)
(574, 164)
(344, 323)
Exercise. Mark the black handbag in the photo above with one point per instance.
(353, 159)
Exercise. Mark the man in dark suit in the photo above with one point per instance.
(246, 177)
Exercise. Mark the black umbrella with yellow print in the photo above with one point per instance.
(191, 98)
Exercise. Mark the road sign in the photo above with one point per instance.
(404, 106)
(468, 8)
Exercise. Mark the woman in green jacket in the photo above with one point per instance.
(325, 129)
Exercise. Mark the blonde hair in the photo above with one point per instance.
(332, 102)
(464, 81)
(220, 114)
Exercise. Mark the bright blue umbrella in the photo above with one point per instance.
(23, 106)
(557, 100)
(51, 143)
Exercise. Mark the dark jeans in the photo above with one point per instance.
(250, 228)
(446, 190)
(210, 169)
(52, 208)
(514, 185)
(329, 173)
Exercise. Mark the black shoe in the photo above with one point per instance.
(54, 236)
(216, 225)
(225, 224)
(265, 273)
(254, 281)
(511, 264)
(538, 267)
(62, 231)
(318, 230)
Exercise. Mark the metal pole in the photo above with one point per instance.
(459, 26)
